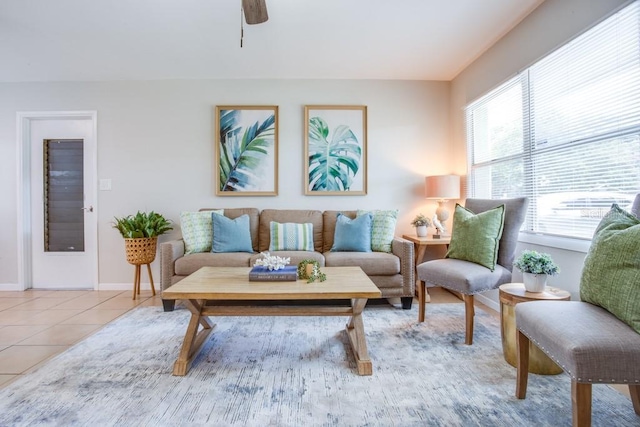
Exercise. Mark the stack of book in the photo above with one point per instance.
(263, 274)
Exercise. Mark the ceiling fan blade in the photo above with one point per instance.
(255, 11)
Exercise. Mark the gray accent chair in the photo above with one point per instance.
(586, 341)
(468, 278)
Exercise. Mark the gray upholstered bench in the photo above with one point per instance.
(587, 342)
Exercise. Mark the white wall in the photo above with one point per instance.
(551, 25)
(155, 141)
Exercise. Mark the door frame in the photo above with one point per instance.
(23, 125)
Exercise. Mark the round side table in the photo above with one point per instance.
(510, 295)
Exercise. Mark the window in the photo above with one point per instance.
(565, 132)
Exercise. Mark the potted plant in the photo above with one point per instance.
(140, 232)
(535, 267)
(421, 222)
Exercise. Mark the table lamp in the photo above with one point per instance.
(442, 188)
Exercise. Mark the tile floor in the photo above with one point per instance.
(38, 324)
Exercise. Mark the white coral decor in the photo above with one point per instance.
(272, 262)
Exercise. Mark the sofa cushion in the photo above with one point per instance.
(611, 273)
(329, 219)
(372, 263)
(291, 236)
(231, 235)
(254, 220)
(189, 264)
(293, 216)
(197, 230)
(383, 229)
(352, 235)
(476, 238)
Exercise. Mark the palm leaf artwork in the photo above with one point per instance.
(332, 163)
(244, 151)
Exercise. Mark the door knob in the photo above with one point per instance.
(89, 209)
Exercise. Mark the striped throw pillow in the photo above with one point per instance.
(291, 236)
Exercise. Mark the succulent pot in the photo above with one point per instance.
(421, 231)
(534, 282)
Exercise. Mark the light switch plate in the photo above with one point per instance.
(105, 185)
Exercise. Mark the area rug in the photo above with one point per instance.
(296, 371)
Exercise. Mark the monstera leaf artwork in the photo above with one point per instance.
(335, 150)
(246, 150)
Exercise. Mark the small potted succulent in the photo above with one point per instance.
(421, 222)
(535, 267)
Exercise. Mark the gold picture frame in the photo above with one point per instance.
(246, 150)
(335, 150)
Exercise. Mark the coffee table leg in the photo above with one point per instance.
(355, 331)
(193, 339)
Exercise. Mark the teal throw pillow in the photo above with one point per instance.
(197, 230)
(352, 235)
(231, 235)
(291, 236)
(611, 273)
(383, 228)
(476, 237)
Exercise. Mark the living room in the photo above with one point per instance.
(155, 133)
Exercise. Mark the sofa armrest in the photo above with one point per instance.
(169, 253)
(404, 250)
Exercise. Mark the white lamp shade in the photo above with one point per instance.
(442, 187)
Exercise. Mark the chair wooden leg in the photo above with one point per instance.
(581, 403)
(522, 365)
(469, 312)
(153, 288)
(634, 391)
(421, 300)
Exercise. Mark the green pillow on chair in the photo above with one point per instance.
(611, 273)
(476, 238)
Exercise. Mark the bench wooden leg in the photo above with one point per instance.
(634, 391)
(523, 365)
(469, 312)
(581, 403)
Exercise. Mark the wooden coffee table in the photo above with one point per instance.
(211, 290)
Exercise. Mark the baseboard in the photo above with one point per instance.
(125, 286)
(10, 287)
(488, 302)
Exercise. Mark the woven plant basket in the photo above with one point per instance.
(141, 251)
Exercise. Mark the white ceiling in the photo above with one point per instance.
(69, 40)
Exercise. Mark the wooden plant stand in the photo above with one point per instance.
(141, 251)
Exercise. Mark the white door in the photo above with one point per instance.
(63, 198)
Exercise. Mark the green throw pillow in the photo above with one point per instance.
(197, 230)
(291, 236)
(476, 237)
(611, 273)
(383, 229)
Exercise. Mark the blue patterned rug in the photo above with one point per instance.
(295, 371)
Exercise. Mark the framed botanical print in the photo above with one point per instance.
(335, 152)
(246, 150)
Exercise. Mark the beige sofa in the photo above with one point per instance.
(393, 273)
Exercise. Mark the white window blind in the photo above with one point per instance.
(565, 132)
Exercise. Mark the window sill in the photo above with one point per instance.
(567, 243)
